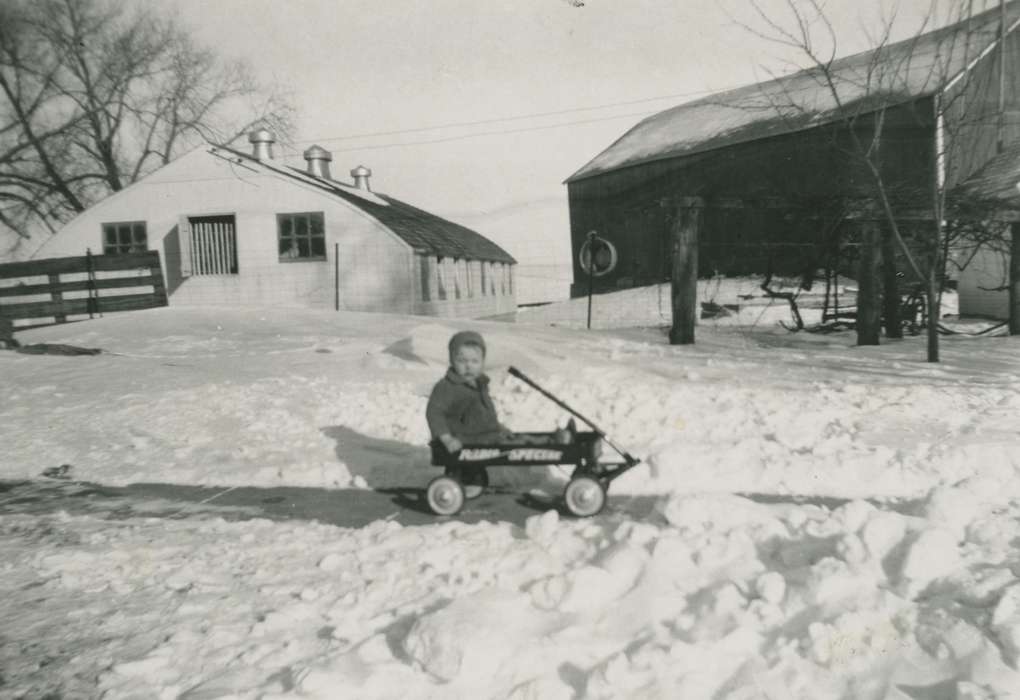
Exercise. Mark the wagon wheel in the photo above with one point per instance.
(445, 495)
(584, 496)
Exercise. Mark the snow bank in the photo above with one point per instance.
(719, 597)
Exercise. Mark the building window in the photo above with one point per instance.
(125, 237)
(441, 277)
(302, 236)
(212, 245)
(425, 281)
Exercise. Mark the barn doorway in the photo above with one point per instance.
(213, 246)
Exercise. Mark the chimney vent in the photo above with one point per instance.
(318, 159)
(361, 174)
(262, 141)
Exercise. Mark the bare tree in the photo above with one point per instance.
(858, 96)
(94, 96)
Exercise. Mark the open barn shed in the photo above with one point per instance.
(773, 167)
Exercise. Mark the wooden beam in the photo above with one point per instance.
(70, 307)
(59, 266)
(686, 228)
(23, 290)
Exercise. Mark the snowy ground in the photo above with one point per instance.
(715, 596)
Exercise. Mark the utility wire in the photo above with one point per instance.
(495, 120)
(497, 132)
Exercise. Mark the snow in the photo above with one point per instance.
(746, 581)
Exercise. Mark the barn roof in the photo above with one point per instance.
(893, 74)
(422, 230)
(995, 183)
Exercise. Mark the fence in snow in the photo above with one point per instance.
(53, 290)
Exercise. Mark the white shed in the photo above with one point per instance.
(244, 228)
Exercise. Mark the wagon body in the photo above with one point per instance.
(585, 493)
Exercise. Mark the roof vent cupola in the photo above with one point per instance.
(318, 160)
(361, 176)
(262, 141)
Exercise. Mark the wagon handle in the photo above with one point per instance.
(631, 460)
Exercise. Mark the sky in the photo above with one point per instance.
(355, 67)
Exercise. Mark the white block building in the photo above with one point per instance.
(243, 228)
(982, 284)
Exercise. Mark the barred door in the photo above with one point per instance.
(213, 249)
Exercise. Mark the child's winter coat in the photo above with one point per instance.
(463, 410)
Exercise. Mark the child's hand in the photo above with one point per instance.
(451, 443)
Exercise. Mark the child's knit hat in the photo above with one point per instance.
(465, 338)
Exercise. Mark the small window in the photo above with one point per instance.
(441, 277)
(302, 236)
(125, 237)
(425, 281)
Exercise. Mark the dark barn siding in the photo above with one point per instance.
(972, 113)
(630, 206)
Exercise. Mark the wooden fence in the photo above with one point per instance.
(88, 293)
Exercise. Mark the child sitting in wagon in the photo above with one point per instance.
(460, 410)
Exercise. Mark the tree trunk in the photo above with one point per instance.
(686, 227)
(1014, 279)
(869, 294)
(890, 287)
(932, 302)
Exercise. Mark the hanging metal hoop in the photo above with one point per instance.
(605, 254)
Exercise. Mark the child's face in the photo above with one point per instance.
(469, 362)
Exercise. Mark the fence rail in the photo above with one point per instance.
(97, 300)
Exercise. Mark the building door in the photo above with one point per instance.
(213, 245)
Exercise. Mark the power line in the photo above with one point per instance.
(497, 132)
(482, 122)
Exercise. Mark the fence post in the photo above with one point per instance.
(56, 296)
(686, 229)
(591, 271)
(158, 286)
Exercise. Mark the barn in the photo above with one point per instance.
(243, 228)
(773, 171)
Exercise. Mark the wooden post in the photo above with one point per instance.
(869, 302)
(890, 287)
(158, 286)
(57, 297)
(686, 228)
(591, 271)
(1014, 279)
